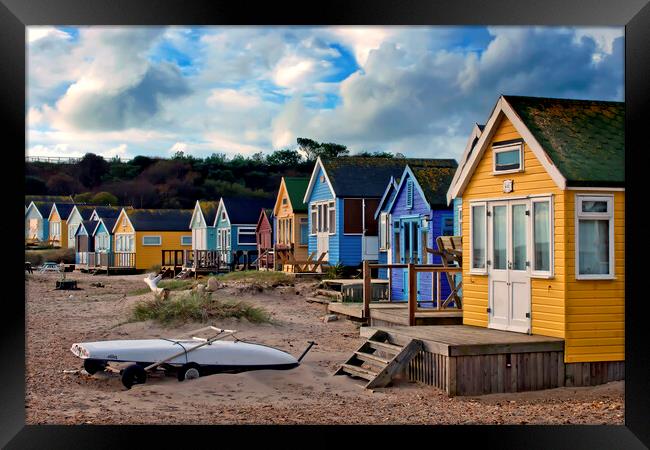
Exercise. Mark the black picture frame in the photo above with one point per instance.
(15, 15)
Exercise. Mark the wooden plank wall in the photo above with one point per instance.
(488, 374)
(429, 368)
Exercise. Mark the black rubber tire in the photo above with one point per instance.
(134, 374)
(184, 368)
(92, 366)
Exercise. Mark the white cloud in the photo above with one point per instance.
(34, 33)
(231, 98)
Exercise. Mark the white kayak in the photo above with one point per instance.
(189, 358)
(218, 353)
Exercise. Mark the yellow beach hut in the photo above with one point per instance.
(291, 223)
(58, 223)
(141, 235)
(543, 221)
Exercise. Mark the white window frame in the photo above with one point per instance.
(55, 229)
(609, 215)
(460, 219)
(303, 222)
(318, 207)
(384, 218)
(507, 148)
(120, 243)
(185, 237)
(472, 270)
(531, 245)
(152, 236)
(250, 230)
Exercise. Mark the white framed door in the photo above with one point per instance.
(322, 230)
(509, 290)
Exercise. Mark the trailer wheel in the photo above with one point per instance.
(189, 371)
(134, 374)
(93, 366)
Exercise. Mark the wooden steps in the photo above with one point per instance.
(378, 361)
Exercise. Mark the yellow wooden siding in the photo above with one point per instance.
(147, 256)
(595, 309)
(54, 218)
(284, 211)
(547, 295)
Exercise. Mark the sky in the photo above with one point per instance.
(127, 91)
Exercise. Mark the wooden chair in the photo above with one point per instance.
(450, 250)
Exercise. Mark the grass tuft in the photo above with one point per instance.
(195, 307)
(257, 275)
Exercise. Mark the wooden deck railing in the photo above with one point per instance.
(103, 260)
(413, 270)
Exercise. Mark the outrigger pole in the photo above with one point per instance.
(311, 343)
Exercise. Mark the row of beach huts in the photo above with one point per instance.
(532, 219)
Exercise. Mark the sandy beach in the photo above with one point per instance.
(308, 394)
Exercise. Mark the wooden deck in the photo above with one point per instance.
(467, 360)
(465, 340)
(395, 315)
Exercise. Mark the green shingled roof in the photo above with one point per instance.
(585, 139)
(435, 182)
(296, 188)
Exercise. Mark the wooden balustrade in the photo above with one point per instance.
(413, 270)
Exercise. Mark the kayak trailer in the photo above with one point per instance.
(190, 357)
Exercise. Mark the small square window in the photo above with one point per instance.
(508, 158)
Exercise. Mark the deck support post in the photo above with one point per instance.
(413, 293)
(367, 289)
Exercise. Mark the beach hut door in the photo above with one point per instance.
(509, 294)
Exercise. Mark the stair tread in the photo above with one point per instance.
(385, 345)
(369, 356)
(359, 371)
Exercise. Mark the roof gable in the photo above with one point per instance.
(354, 176)
(585, 139)
(501, 110)
(385, 200)
(431, 183)
(318, 168)
(244, 210)
(296, 188)
(477, 130)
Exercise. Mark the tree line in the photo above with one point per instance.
(177, 182)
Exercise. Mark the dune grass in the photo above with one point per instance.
(195, 307)
(257, 275)
(172, 285)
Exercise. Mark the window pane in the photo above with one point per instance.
(594, 206)
(478, 237)
(542, 236)
(313, 220)
(407, 241)
(507, 160)
(151, 240)
(593, 257)
(519, 237)
(500, 237)
(382, 230)
(396, 239)
(332, 220)
(304, 239)
(414, 238)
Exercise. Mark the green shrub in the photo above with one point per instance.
(335, 271)
(195, 307)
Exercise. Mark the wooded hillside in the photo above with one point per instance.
(177, 182)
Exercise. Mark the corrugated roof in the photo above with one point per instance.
(245, 210)
(585, 139)
(296, 188)
(355, 176)
(159, 219)
(435, 182)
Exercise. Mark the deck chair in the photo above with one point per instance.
(318, 262)
(450, 250)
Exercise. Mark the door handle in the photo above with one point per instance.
(509, 265)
